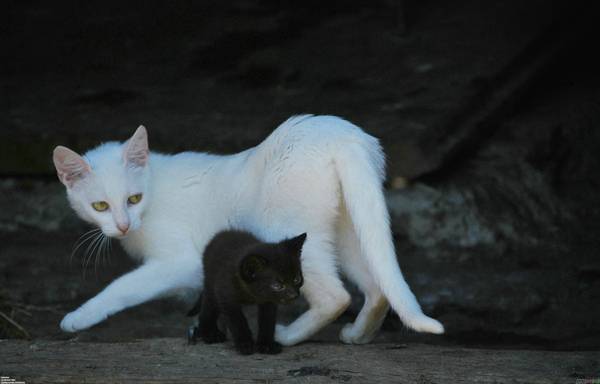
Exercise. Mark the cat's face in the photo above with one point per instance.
(108, 186)
(274, 273)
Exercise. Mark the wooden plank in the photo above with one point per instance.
(172, 361)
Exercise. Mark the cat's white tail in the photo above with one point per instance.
(361, 168)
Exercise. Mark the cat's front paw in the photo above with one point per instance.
(284, 335)
(271, 348)
(81, 319)
(245, 347)
(213, 337)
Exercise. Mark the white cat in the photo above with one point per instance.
(315, 174)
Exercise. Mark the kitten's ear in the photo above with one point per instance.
(70, 166)
(294, 245)
(136, 148)
(251, 264)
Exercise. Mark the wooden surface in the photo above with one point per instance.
(172, 361)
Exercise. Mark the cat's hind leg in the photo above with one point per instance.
(375, 306)
(323, 290)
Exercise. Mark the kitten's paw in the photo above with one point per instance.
(349, 335)
(214, 337)
(191, 335)
(272, 348)
(81, 319)
(245, 347)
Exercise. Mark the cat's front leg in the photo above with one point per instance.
(238, 325)
(149, 281)
(207, 321)
(265, 342)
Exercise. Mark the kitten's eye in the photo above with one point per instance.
(134, 199)
(297, 280)
(100, 206)
(277, 286)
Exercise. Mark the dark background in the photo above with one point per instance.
(488, 112)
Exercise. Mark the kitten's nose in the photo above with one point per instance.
(123, 228)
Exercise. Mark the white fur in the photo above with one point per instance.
(315, 174)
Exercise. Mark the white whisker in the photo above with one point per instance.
(110, 249)
(93, 255)
(82, 240)
(103, 247)
(99, 252)
(88, 255)
(87, 250)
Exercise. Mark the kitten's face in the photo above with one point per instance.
(274, 273)
(108, 186)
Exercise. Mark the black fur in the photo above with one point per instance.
(239, 270)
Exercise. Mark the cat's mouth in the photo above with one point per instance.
(119, 235)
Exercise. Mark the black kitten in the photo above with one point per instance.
(239, 269)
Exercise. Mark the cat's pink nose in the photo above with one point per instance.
(123, 228)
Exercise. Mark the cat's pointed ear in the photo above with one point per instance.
(251, 265)
(70, 166)
(136, 150)
(294, 245)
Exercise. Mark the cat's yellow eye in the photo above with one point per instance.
(134, 199)
(297, 280)
(277, 286)
(100, 206)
